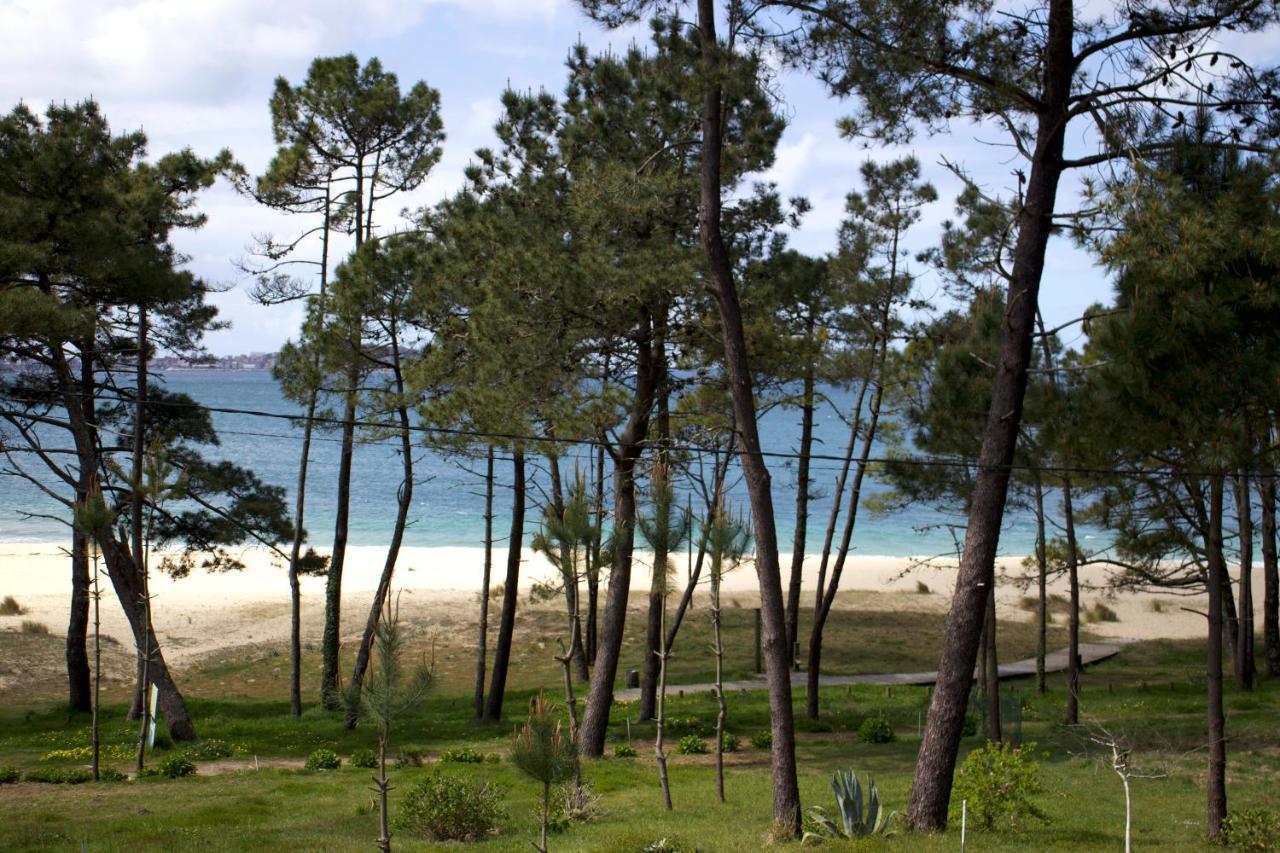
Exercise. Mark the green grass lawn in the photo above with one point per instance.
(1152, 694)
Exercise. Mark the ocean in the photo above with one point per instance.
(448, 503)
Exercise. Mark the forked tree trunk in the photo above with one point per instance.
(1270, 575)
(935, 765)
(1216, 786)
(786, 791)
(482, 642)
(510, 593)
(331, 641)
(595, 716)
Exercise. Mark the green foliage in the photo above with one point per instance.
(876, 730)
(365, 758)
(10, 607)
(541, 749)
(677, 726)
(1251, 829)
(730, 742)
(175, 767)
(969, 727)
(573, 804)
(624, 750)
(998, 781)
(444, 808)
(762, 739)
(411, 755)
(323, 759)
(208, 750)
(692, 745)
(110, 774)
(462, 755)
(9, 774)
(855, 820)
(60, 775)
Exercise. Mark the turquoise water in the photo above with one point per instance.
(448, 501)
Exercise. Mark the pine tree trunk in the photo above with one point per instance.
(295, 555)
(1217, 783)
(796, 579)
(331, 641)
(991, 670)
(1042, 604)
(713, 504)
(657, 578)
(79, 693)
(510, 593)
(482, 641)
(935, 766)
(1245, 666)
(786, 792)
(1073, 627)
(1271, 576)
(595, 716)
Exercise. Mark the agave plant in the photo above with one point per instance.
(855, 821)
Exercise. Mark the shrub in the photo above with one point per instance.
(692, 745)
(762, 740)
(999, 780)
(363, 758)
(175, 767)
(29, 627)
(11, 607)
(624, 750)
(1100, 612)
(876, 730)
(441, 808)
(855, 821)
(410, 756)
(730, 742)
(574, 804)
(208, 750)
(60, 775)
(9, 774)
(110, 774)
(1251, 829)
(922, 588)
(462, 755)
(323, 759)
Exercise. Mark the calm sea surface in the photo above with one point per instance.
(448, 500)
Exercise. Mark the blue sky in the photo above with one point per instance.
(199, 73)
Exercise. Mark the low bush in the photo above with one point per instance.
(692, 745)
(208, 750)
(9, 774)
(10, 607)
(876, 730)
(363, 758)
(60, 775)
(110, 774)
(442, 808)
(730, 742)
(30, 627)
(1251, 829)
(762, 740)
(410, 756)
(624, 750)
(175, 767)
(462, 755)
(1100, 612)
(323, 759)
(998, 781)
(922, 588)
(573, 804)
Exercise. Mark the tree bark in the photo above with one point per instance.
(79, 692)
(1245, 666)
(595, 717)
(1073, 617)
(654, 625)
(1271, 575)
(1217, 780)
(931, 788)
(483, 640)
(330, 644)
(510, 593)
(991, 669)
(786, 792)
(1042, 603)
(798, 544)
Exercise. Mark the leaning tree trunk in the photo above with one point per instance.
(483, 640)
(1271, 575)
(405, 500)
(991, 670)
(1217, 781)
(786, 790)
(798, 542)
(330, 644)
(595, 716)
(1244, 666)
(126, 580)
(935, 765)
(510, 593)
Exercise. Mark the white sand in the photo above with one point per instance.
(208, 612)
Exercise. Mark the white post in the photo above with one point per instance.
(151, 724)
(964, 820)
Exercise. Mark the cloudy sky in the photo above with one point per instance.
(199, 73)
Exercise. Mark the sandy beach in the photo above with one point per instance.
(206, 613)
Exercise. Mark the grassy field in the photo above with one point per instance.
(261, 798)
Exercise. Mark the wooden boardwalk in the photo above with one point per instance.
(1090, 653)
